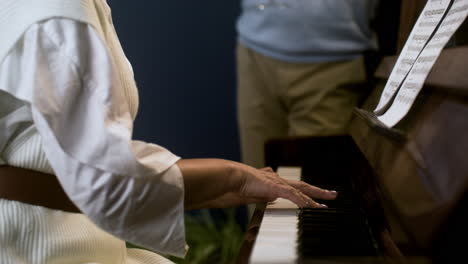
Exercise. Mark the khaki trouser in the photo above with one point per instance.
(279, 99)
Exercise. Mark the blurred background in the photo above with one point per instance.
(183, 56)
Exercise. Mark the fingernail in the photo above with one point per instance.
(324, 205)
(333, 192)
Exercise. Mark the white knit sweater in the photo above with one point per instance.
(26, 150)
(33, 234)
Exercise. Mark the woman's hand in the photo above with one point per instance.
(266, 185)
(217, 183)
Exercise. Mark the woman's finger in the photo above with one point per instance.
(313, 191)
(268, 185)
(297, 197)
(267, 169)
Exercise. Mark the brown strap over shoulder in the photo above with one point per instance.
(33, 187)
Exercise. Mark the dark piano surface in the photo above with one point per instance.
(345, 232)
(404, 190)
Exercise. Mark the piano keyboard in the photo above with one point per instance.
(288, 234)
(277, 237)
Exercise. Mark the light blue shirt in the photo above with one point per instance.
(307, 30)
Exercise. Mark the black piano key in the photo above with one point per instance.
(339, 230)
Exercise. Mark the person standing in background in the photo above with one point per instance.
(296, 63)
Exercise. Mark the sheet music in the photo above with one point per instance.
(413, 84)
(425, 26)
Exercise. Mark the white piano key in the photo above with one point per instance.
(291, 173)
(281, 203)
(277, 238)
(276, 241)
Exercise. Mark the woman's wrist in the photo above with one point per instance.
(207, 179)
(236, 176)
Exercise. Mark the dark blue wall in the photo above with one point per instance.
(183, 54)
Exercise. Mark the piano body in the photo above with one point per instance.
(403, 191)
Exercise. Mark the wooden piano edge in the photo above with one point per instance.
(251, 234)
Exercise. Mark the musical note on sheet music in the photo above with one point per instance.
(425, 26)
(414, 82)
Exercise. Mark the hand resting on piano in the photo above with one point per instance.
(218, 183)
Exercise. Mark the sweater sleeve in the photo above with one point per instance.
(132, 189)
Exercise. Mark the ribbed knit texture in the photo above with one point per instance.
(34, 234)
(25, 151)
